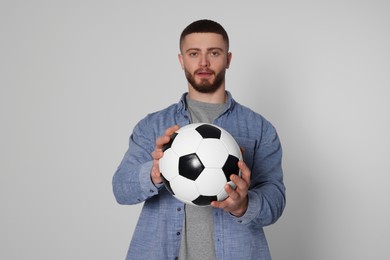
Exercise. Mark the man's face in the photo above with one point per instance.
(204, 58)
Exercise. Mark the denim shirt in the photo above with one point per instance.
(158, 232)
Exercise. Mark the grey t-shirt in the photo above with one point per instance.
(198, 229)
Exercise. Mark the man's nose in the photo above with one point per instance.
(204, 61)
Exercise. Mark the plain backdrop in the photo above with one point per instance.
(76, 76)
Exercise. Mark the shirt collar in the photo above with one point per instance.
(182, 105)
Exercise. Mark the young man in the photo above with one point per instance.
(230, 229)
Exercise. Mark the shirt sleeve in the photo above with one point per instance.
(132, 183)
(267, 191)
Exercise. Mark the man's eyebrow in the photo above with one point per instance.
(215, 48)
(192, 49)
(208, 49)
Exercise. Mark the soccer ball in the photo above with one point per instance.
(198, 162)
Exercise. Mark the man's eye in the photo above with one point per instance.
(214, 54)
(193, 54)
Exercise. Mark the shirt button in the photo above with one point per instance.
(178, 233)
(178, 209)
(151, 191)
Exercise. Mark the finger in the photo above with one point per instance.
(171, 130)
(239, 182)
(156, 176)
(234, 195)
(161, 141)
(231, 192)
(219, 204)
(224, 204)
(157, 154)
(245, 172)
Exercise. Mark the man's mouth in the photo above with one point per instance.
(204, 73)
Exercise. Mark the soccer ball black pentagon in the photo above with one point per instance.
(198, 162)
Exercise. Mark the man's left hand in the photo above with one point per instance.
(237, 201)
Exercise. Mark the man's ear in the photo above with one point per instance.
(181, 60)
(229, 59)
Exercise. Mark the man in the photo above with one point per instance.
(230, 229)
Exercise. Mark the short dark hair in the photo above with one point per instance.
(205, 26)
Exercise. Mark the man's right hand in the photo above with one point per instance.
(158, 153)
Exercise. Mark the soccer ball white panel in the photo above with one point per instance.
(211, 181)
(212, 153)
(169, 166)
(185, 188)
(231, 144)
(186, 142)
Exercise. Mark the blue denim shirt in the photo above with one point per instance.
(158, 232)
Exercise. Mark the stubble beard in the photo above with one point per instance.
(205, 86)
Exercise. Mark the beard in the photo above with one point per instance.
(205, 86)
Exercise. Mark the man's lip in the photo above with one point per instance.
(204, 75)
(204, 72)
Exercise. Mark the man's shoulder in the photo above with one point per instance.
(164, 111)
(245, 111)
(254, 120)
(159, 120)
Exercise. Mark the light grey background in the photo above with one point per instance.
(76, 76)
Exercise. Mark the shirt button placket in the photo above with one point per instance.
(180, 212)
(178, 209)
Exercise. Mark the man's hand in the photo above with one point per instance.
(237, 201)
(157, 154)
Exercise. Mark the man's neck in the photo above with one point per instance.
(218, 97)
